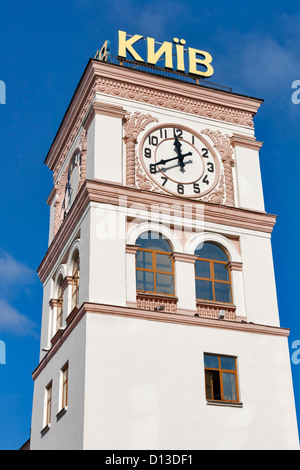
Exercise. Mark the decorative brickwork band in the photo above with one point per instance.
(154, 302)
(207, 310)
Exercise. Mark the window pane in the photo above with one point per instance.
(229, 388)
(164, 284)
(204, 290)
(221, 273)
(212, 385)
(222, 292)
(145, 281)
(153, 241)
(202, 269)
(228, 363)
(144, 260)
(211, 361)
(211, 251)
(163, 262)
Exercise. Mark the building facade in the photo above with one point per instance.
(160, 325)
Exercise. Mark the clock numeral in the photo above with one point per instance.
(205, 180)
(196, 188)
(210, 167)
(147, 153)
(177, 132)
(180, 189)
(205, 152)
(153, 140)
(163, 133)
(193, 139)
(152, 168)
(165, 180)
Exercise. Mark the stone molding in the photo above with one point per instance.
(109, 193)
(158, 316)
(116, 81)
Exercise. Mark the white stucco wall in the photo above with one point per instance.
(67, 432)
(146, 390)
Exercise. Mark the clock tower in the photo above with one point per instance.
(160, 326)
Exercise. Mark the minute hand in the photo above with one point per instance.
(163, 162)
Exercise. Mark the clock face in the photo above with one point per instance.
(179, 161)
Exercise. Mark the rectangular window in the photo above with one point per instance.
(48, 404)
(221, 382)
(154, 272)
(64, 385)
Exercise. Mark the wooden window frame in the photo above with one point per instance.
(213, 280)
(48, 404)
(220, 370)
(75, 282)
(64, 385)
(155, 271)
(59, 308)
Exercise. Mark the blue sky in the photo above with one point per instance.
(44, 48)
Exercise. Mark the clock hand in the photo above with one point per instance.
(178, 146)
(163, 162)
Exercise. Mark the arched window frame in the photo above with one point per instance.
(59, 303)
(75, 279)
(212, 279)
(154, 263)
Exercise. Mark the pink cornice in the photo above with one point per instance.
(235, 266)
(184, 257)
(239, 140)
(103, 109)
(131, 84)
(132, 249)
(68, 280)
(114, 194)
(157, 316)
(53, 303)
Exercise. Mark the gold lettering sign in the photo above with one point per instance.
(198, 59)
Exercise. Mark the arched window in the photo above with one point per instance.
(213, 280)
(60, 304)
(75, 282)
(154, 265)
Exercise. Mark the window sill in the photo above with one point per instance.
(45, 429)
(233, 404)
(216, 304)
(71, 315)
(157, 295)
(57, 335)
(61, 413)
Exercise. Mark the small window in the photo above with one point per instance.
(221, 378)
(75, 282)
(213, 280)
(48, 404)
(154, 265)
(64, 385)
